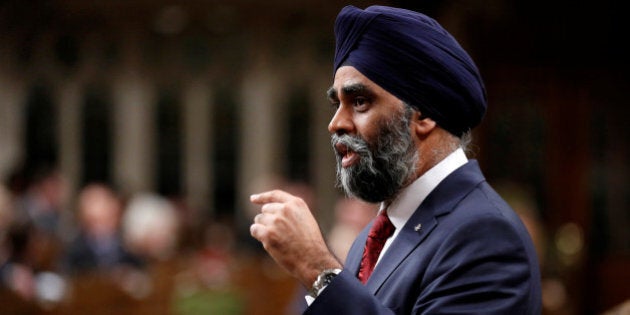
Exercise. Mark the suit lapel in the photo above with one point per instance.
(403, 245)
(440, 201)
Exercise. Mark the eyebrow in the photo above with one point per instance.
(356, 88)
(351, 90)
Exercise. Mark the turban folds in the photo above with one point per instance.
(412, 57)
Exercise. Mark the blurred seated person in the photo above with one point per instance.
(40, 204)
(24, 251)
(99, 245)
(26, 263)
(16, 265)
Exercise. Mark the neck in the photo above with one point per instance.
(433, 149)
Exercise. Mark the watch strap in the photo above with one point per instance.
(323, 280)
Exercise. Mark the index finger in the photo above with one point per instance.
(270, 196)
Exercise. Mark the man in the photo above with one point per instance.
(406, 97)
(99, 247)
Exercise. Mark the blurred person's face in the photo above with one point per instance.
(99, 212)
(376, 154)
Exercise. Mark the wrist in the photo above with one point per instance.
(312, 269)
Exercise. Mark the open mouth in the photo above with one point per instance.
(348, 157)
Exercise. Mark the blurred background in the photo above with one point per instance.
(132, 133)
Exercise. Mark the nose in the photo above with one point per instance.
(341, 123)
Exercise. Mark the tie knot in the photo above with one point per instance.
(382, 227)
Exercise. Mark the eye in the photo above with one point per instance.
(360, 103)
(334, 105)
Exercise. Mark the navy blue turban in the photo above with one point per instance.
(412, 57)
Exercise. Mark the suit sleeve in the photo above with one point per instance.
(346, 295)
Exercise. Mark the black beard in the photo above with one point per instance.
(385, 165)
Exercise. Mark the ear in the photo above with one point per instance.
(422, 125)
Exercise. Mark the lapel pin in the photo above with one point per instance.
(417, 227)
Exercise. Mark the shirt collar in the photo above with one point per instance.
(404, 205)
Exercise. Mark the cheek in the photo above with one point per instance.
(367, 127)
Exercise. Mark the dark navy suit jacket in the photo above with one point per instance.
(472, 255)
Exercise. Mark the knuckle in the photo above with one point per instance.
(282, 208)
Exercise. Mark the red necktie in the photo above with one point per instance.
(381, 230)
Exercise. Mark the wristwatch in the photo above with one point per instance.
(323, 279)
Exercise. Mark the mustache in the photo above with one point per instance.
(353, 143)
(359, 146)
